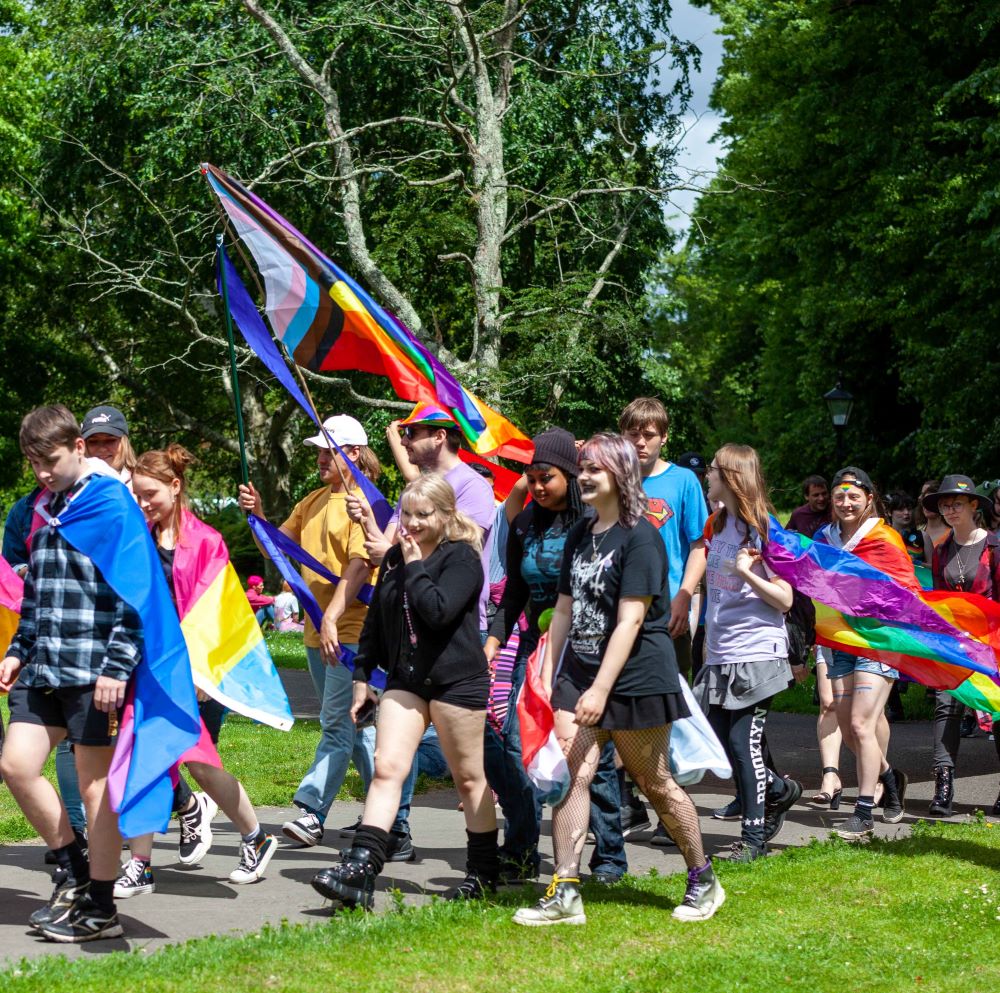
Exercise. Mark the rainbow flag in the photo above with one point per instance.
(869, 602)
(11, 591)
(229, 657)
(327, 322)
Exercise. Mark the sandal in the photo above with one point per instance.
(826, 799)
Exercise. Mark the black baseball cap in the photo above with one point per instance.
(693, 461)
(858, 477)
(105, 420)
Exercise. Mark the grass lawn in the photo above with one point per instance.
(920, 913)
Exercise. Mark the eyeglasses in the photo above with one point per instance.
(947, 508)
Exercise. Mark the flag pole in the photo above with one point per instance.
(232, 362)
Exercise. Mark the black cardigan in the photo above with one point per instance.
(443, 591)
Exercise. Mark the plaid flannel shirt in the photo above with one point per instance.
(73, 627)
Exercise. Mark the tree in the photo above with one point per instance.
(862, 243)
(486, 169)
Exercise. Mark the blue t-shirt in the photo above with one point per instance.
(677, 510)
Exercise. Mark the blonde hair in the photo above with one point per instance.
(432, 486)
(739, 469)
(368, 463)
(126, 455)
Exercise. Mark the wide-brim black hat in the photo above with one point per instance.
(956, 486)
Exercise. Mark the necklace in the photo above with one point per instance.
(595, 545)
(962, 565)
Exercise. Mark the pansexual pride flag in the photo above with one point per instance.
(327, 321)
(11, 591)
(869, 602)
(229, 657)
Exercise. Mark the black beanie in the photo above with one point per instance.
(556, 447)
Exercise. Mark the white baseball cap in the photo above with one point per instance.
(344, 430)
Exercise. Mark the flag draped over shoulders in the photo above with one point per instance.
(104, 523)
(229, 656)
(869, 602)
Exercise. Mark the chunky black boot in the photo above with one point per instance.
(352, 882)
(944, 791)
(482, 867)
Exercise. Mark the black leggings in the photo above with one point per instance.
(741, 733)
(947, 729)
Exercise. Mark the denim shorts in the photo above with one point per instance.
(845, 664)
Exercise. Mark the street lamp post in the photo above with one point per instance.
(839, 402)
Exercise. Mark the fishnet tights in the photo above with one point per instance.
(645, 756)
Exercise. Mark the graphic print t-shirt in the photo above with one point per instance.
(676, 508)
(739, 625)
(597, 571)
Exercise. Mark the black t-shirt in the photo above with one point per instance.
(597, 571)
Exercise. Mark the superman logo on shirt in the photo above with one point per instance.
(658, 511)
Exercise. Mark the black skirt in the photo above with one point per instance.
(623, 713)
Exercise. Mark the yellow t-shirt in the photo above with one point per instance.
(320, 524)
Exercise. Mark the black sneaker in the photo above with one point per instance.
(892, 806)
(969, 726)
(661, 838)
(196, 829)
(743, 851)
(351, 883)
(306, 829)
(635, 819)
(703, 896)
(67, 891)
(732, 811)
(85, 921)
(400, 847)
(855, 828)
(351, 828)
(254, 857)
(473, 887)
(775, 811)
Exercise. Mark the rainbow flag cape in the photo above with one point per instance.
(869, 602)
(326, 322)
(11, 591)
(104, 522)
(229, 657)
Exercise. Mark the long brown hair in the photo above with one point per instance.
(739, 468)
(166, 465)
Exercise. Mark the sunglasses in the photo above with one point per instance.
(410, 430)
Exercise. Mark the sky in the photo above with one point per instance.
(697, 158)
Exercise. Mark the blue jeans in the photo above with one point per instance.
(605, 817)
(69, 787)
(339, 741)
(430, 759)
(266, 614)
(522, 809)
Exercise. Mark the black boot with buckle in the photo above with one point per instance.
(944, 791)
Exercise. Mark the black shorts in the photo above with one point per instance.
(472, 693)
(623, 713)
(69, 707)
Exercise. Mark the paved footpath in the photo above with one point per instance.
(190, 903)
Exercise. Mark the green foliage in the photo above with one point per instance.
(114, 105)
(863, 248)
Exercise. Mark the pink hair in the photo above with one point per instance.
(617, 456)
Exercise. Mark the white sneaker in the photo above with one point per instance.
(196, 829)
(254, 859)
(135, 880)
(560, 905)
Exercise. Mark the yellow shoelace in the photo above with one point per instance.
(556, 880)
